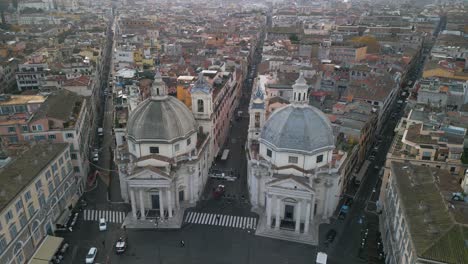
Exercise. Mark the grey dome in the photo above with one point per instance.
(159, 119)
(296, 128)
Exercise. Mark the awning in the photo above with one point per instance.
(46, 250)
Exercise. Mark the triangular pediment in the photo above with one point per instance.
(289, 183)
(149, 173)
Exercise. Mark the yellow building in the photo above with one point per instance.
(183, 89)
(92, 53)
(445, 69)
(37, 189)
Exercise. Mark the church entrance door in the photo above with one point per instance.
(155, 201)
(181, 195)
(289, 212)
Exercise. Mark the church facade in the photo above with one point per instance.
(163, 163)
(294, 170)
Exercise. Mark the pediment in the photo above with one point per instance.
(289, 184)
(153, 160)
(149, 173)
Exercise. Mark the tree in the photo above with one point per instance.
(3, 7)
(373, 45)
(293, 38)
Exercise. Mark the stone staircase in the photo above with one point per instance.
(263, 230)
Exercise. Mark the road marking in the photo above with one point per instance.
(244, 222)
(109, 216)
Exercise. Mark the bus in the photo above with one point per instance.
(360, 175)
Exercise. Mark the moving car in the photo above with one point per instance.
(331, 234)
(100, 131)
(121, 245)
(219, 191)
(102, 224)
(91, 255)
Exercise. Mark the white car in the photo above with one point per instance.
(102, 224)
(91, 255)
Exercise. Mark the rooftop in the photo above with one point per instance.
(24, 168)
(20, 99)
(434, 232)
(61, 105)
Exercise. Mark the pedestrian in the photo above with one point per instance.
(103, 243)
(182, 243)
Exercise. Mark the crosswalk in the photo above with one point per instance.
(110, 216)
(244, 222)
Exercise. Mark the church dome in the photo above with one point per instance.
(160, 118)
(298, 128)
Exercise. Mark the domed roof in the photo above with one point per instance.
(162, 118)
(296, 128)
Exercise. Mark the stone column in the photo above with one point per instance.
(307, 218)
(169, 201)
(278, 211)
(312, 204)
(268, 208)
(142, 205)
(298, 217)
(161, 206)
(132, 201)
(176, 197)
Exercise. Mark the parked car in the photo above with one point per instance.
(91, 255)
(343, 211)
(100, 131)
(331, 234)
(371, 158)
(102, 224)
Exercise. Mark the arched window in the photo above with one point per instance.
(36, 230)
(19, 252)
(200, 106)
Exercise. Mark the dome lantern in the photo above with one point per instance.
(300, 90)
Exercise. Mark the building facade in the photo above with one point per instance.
(41, 189)
(163, 164)
(294, 172)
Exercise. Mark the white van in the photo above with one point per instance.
(321, 258)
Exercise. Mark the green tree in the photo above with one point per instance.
(293, 38)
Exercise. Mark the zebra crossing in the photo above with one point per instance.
(110, 216)
(244, 222)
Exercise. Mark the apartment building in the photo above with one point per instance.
(423, 138)
(420, 222)
(15, 110)
(7, 74)
(215, 96)
(31, 74)
(62, 116)
(37, 189)
(436, 92)
(347, 54)
(379, 90)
